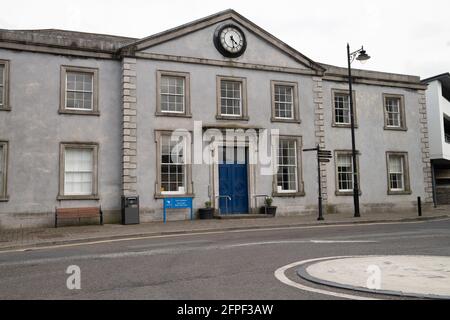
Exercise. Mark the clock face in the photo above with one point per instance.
(230, 41)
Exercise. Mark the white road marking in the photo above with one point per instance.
(115, 255)
(281, 276)
(149, 245)
(342, 241)
(209, 233)
(298, 241)
(262, 243)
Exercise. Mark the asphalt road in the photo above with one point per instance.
(226, 265)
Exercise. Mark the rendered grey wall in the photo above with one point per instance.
(373, 141)
(203, 105)
(34, 130)
(199, 44)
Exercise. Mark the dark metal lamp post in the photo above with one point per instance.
(362, 56)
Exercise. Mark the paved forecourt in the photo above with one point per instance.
(409, 276)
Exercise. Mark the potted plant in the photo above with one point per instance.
(207, 212)
(268, 208)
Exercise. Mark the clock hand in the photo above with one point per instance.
(232, 39)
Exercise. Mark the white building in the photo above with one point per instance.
(438, 109)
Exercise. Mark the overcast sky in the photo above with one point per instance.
(410, 37)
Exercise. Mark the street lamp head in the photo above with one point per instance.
(363, 56)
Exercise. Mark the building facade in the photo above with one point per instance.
(438, 97)
(218, 110)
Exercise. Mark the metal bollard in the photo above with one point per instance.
(419, 206)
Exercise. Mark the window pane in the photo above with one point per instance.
(393, 112)
(284, 102)
(342, 108)
(79, 91)
(87, 101)
(1, 96)
(230, 97)
(172, 165)
(345, 172)
(395, 164)
(78, 171)
(396, 174)
(87, 83)
(287, 166)
(172, 94)
(79, 79)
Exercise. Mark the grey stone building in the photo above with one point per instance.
(87, 118)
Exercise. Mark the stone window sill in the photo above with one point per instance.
(77, 112)
(166, 196)
(347, 126)
(67, 198)
(395, 129)
(232, 118)
(288, 194)
(175, 115)
(286, 120)
(346, 193)
(399, 193)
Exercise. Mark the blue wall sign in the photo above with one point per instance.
(178, 203)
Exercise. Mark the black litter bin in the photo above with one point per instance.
(130, 210)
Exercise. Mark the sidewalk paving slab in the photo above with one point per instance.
(41, 237)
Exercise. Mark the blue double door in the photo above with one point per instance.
(233, 180)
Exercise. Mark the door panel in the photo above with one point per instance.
(233, 182)
(225, 188)
(240, 189)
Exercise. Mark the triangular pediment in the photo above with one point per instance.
(195, 40)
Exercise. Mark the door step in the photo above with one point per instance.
(243, 216)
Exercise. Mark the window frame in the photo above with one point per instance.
(402, 126)
(406, 178)
(244, 108)
(339, 192)
(300, 192)
(6, 78)
(335, 124)
(188, 166)
(78, 145)
(295, 101)
(4, 164)
(187, 94)
(446, 125)
(95, 91)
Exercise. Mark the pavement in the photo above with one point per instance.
(39, 237)
(404, 276)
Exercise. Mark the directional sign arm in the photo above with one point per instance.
(313, 149)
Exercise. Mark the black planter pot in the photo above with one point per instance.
(268, 210)
(206, 213)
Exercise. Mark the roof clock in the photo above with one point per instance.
(230, 41)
